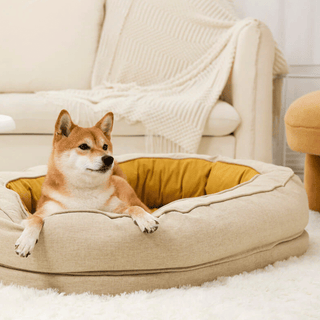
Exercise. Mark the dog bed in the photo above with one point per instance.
(218, 217)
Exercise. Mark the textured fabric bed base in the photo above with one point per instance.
(118, 284)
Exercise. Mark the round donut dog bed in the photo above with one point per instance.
(218, 217)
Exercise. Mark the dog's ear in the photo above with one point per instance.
(64, 124)
(106, 124)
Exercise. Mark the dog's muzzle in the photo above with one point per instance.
(107, 163)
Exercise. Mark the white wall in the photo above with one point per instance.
(295, 25)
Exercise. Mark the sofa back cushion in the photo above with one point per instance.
(48, 45)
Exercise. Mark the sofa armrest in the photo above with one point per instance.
(251, 92)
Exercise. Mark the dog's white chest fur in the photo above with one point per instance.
(84, 191)
(85, 198)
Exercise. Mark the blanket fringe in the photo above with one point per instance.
(155, 143)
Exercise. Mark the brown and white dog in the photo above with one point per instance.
(82, 174)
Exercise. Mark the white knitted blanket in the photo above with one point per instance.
(164, 63)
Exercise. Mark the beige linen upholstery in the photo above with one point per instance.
(114, 284)
(252, 93)
(239, 229)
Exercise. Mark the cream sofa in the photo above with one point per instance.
(46, 48)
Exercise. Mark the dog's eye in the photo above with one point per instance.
(105, 147)
(84, 146)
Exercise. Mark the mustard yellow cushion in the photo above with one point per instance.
(158, 182)
(29, 190)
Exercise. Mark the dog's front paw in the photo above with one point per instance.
(146, 222)
(25, 244)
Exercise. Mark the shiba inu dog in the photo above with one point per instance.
(82, 174)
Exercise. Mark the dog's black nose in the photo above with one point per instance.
(107, 160)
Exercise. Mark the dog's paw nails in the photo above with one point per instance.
(23, 254)
(151, 230)
(154, 229)
(24, 245)
(146, 223)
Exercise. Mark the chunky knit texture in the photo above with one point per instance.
(164, 63)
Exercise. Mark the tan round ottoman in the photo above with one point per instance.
(303, 135)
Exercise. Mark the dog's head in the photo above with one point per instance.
(83, 151)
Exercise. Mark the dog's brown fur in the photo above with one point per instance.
(81, 168)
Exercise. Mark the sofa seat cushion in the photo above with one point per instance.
(33, 114)
(257, 218)
(48, 45)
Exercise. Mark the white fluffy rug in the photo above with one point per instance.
(286, 290)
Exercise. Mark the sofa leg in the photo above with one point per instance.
(312, 180)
